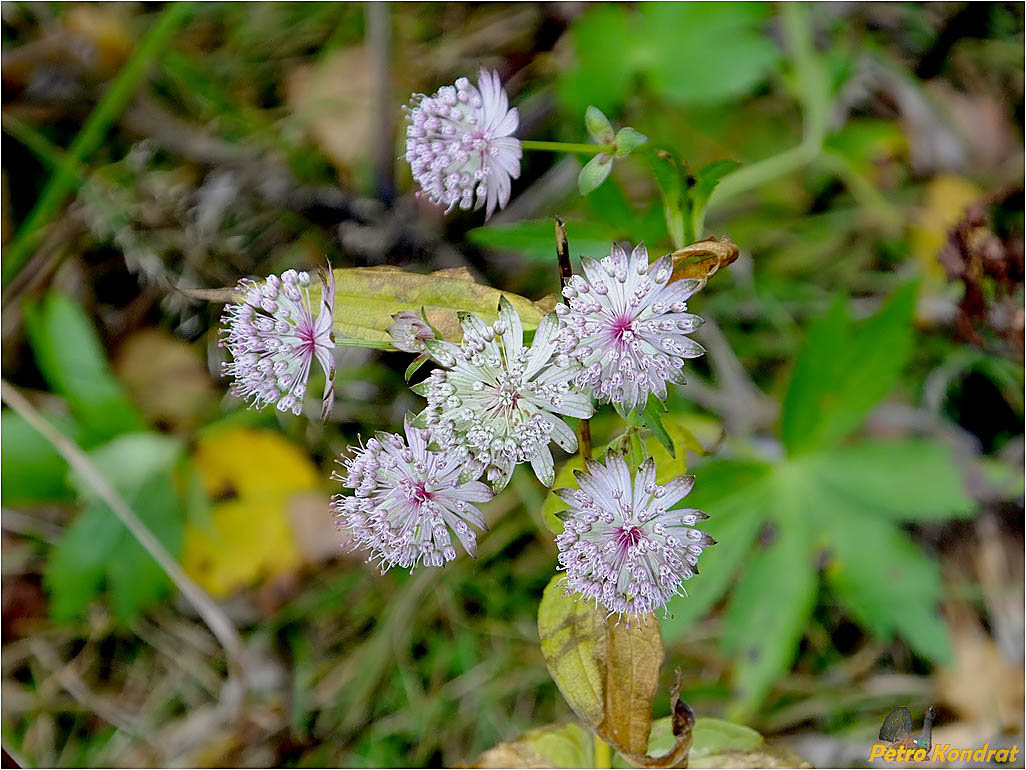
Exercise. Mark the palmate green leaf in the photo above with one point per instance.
(767, 615)
(366, 298)
(907, 479)
(844, 370)
(69, 355)
(98, 548)
(734, 494)
(31, 470)
(887, 582)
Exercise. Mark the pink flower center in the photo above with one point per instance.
(627, 537)
(419, 493)
(622, 329)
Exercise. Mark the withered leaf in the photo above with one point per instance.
(701, 261)
(607, 670)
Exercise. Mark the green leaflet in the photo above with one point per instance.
(97, 548)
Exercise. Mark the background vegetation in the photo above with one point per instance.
(856, 425)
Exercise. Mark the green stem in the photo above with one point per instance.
(583, 149)
(603, 754)
(92, 136)
(814, 94)
(350, 342)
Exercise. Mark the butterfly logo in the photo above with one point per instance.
(897, 730)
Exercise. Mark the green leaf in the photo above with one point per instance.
(550, 746)
(97, 547)
(654, 422)
(366, 298)
(908, 479)
(627, 141)
(767, 615)
(598, 125)
(717, 743)
(844, 370)
(887, 582)
(72, 360)
(669, 175)
(598, 78)
(594, 173)
(706, 53)
(536, 239)
(705, 182)
(734, 494)
(31, 470)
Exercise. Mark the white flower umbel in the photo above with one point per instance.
(621, 545)
(626, 325)
(460, 144)
(408, 501)
(274, 338)
(495, 400)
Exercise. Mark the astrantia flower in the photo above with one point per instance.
(460, 147)
(495, 400)
(621, 545)
(626, 325)
(274, 338)
(408, 501)
(409, 332)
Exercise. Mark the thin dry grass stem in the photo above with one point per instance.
(212, 615)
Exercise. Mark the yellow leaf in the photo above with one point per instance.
(251, 536)
(947, 197)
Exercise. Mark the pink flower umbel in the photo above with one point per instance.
(408, 501)
(627, 325)
(460, 146)
(274, 338)
(621, 545)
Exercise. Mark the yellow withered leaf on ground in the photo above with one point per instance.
(252, 475)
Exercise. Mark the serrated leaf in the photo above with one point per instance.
(627, 141)
(68, 353)
(907, 479)
(606, 669)
(734, 496)
(598, 125)
(594, 173)
(887, 582)
(550, 746)
(774, 596)
(844, 370)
